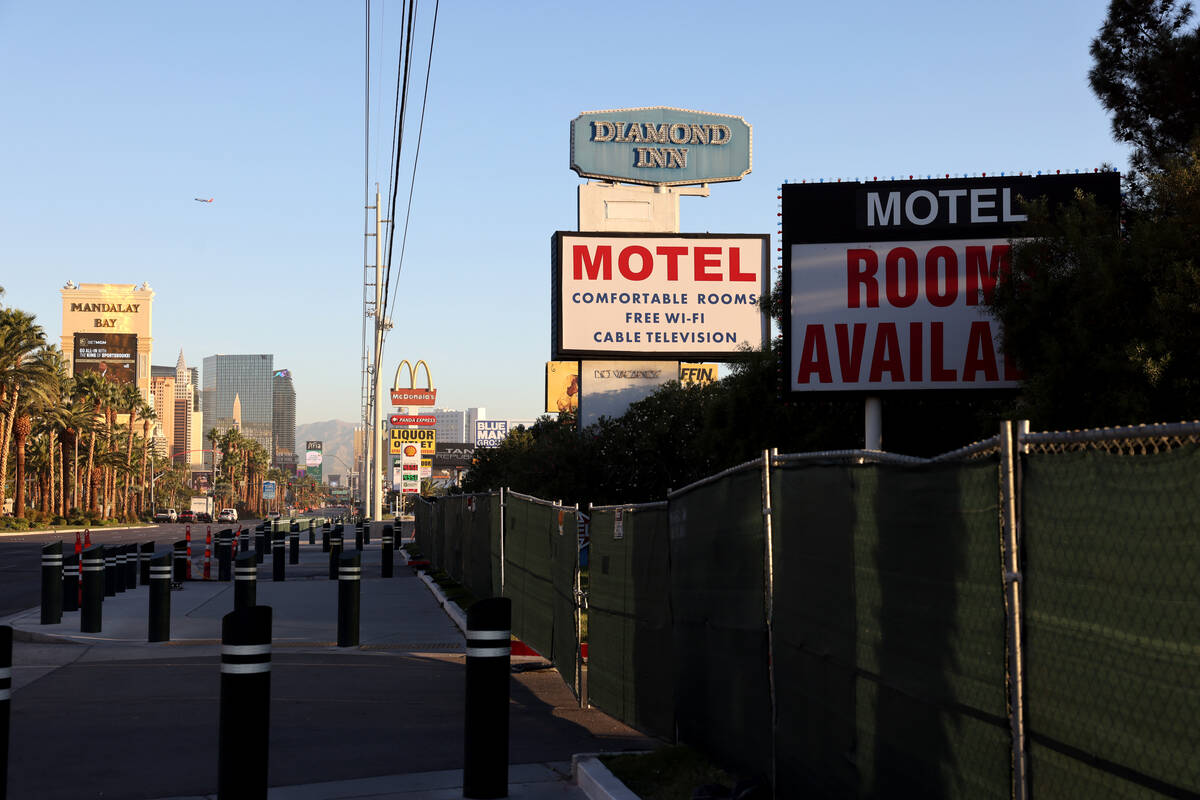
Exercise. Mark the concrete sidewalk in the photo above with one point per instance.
(402, 614)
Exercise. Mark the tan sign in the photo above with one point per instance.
(562, 387)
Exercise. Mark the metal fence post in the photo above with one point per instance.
(769, 601)
(244, 730)
(1010, 467)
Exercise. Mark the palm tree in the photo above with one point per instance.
(90, 389)
(128, 401)
(20, 337)
(78, 421)
(146, 413)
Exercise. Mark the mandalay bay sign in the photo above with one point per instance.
(661, 146)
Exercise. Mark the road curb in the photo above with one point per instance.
(596, 780)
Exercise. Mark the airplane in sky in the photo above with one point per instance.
(202, 200)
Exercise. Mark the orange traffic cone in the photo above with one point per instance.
(78, 544)
(87, 537)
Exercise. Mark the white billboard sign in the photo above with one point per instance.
(608, 387)
(679, 296)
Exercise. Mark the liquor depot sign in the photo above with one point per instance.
(889, 281)
(661, 146)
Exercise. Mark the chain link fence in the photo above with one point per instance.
(1017, 618)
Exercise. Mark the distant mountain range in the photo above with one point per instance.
(337, 438)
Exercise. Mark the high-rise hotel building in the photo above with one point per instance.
(248, 379)
(283, 420)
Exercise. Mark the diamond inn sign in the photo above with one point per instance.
(661, 146)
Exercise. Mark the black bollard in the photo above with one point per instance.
(367, 532)
(387, 570)
(5, 703)
(312, 532)
(260, 544)
(147, 553)
(294, 541)
(52, 592)
(244, 539)
(358, 537)
(335, 552)
(325, 536)
(485, 739)
(245, 582)
(110, 571)
(277, 549)
(122, 563)
(70, 582)
(94, 570)
(349, 603)
(131, 566)
(245, 725)
(225, 555)
(160, 597)
(180, 561)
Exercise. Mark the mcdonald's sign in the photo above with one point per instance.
(412, 396)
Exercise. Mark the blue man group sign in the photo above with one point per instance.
(661, 146)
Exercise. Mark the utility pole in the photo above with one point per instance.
(376, 474)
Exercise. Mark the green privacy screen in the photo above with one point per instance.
(471, 534)
(630, 673)
(540, 557)
(720, 639)
(889, 631)
(1112, 624)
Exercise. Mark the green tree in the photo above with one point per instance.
(1101, 309)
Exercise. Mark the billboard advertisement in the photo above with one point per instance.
(412, 396)
(562, 387)
(490, 432)
(889, 280)
(110, 355)
(661, 146)
(424, 438)
(608, 387)
(697, 374)
(313, 458)
(453, 454)
(643, 295)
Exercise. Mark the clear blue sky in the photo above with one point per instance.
(115, 115)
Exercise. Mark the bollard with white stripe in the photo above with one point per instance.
(244, 734)
(52, 591)
(325, 536)
(110, 571)
(70, 582)
(225, 555)
(260, 543)
(349, 594)
(277, 551)
(294, 542)
(245, 581)
(180, 562)
(244, 538)
(485, 739)
(367, 532)
(312, 532)
(160, 598)
(387, 570)
(358, 536)
(131, 566)
(5, 703)
(121, 561)
(147, 553)
(335, 552)
(93, 571)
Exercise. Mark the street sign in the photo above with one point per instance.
(268, 490)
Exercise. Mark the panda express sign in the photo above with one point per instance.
(661, 146)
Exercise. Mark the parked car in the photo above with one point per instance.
(272, 516)
(227, 515)
(187, 515)
(203, 516)
(166, 515)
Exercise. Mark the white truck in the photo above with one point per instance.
(203, 506)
